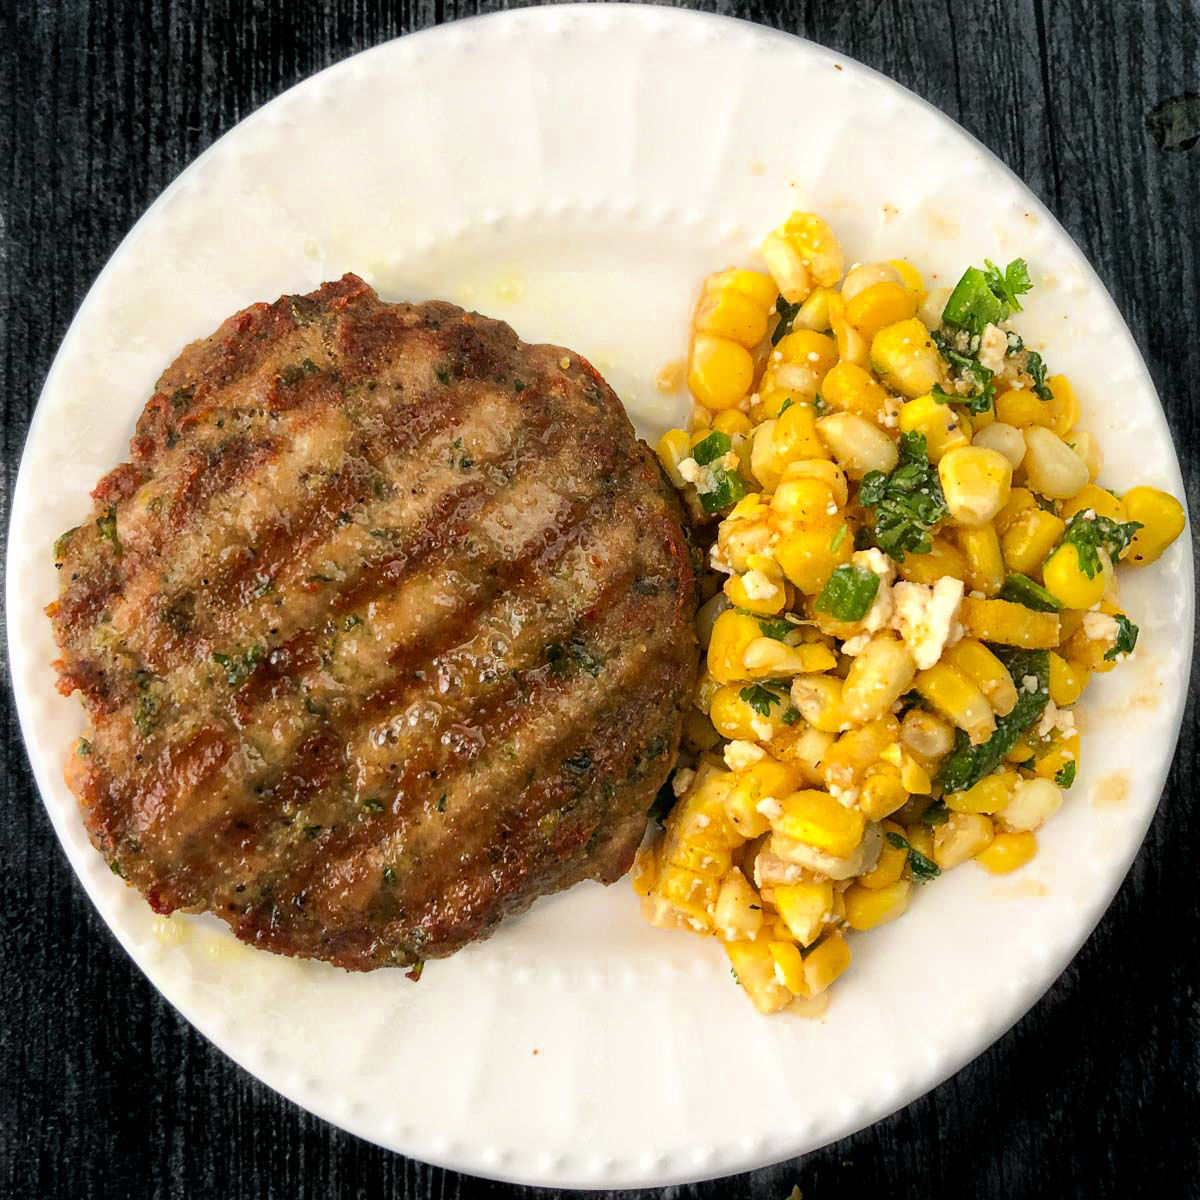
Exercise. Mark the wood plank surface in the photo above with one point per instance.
(105, 1092)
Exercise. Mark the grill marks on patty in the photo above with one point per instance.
(384, 631)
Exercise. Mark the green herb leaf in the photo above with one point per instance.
(787, 314)
(848, 593)
(969, 370)
(966, 765)
(1127, 636)
(923, 869)
(1089, 534)
(973, 303)
(786, 405)
(936, 814)
(790, 715)
(772, 627)
(1065, 775)
(1014, 281)
(239, 666)
(107, 525)
(908, 503)
(714, 446)
(728, 488)
(760, 698)
(1020, 589)
(1037, 369)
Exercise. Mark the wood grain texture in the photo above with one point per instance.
(105, 1092)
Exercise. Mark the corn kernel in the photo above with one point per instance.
(819, 699)
(976, 484)
(1007, 852)
(1009, 624)
(889, 866)
(879, 305)
(877, 678)
(938, 423)
(986, 671)
(733, 422)
(754, 966)
(769, 597)
(673, 447)
(768, 658)
(804, 907)
(787, 268)
(1022, 408)
(738, 912)
(1019, 499)
(910, 277)
(904, 357)
(789, 966)
(851, 345)
(942, 560)
(732, 633)
(809, 556)
(1052, 468)
(989, 795)
(1033, 801)
(920, 838)
(850, 388)
(1064, 407)
(1102, 502)
(817, 246)
(731, 314)
(733, 717)
(758, 286)
(1068, 583)
(958, 698)
(1029, 538)
(961, 837)
(817, 819)
(825, 963)
(814, 312)
(721, 372)
(863, 276)
(1067, 681)
(858, 445)
(867, 907)
(1162, 519)
(983, 558)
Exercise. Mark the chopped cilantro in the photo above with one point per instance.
(923, 869)
(787, 314)
(848, 593)
(908, 503)
(1037, 369)
(1127, 636)
(786, 405)
(936, 814)
(116, 869)
(107, 525)
(760, 698)
(772, 627)
(1065, 775)
(968, 369)
(1089, 534)
(714, 446)
(728, 488)
(987, 296)
(1020, 589)
(790, 715)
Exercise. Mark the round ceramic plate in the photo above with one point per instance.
(576, 171)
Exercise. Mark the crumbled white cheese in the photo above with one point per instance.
(728, 460)
(690, 470)
(683, 780)
(845, 796)
(718, 561)
(759, 586)
(925, 617)
(831, 508)
(879, 615)
(1088, 514)
(1029, 683)
(875, 560)
(763, 730)
(1100, 627)
(769, 807)
(739, 755)
(993, 346)
(853, 647)
(1054, 718)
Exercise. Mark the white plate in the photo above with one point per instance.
(576, 171)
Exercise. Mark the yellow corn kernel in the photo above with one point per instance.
(1064, 408)
(910, 277)
(689, 893)
(1088, 448)
(733, 717)
(645, 871)
(673, 447)
(796, 435)
(1033, 802)
(804, 907)
(1009, 624)
(817, 819)
(827, 472)
(1029, 538)
(1051, 467)
(733, 422)
(879, 305)
(976, 483)
(844, 762)
(1022, 408)
(1162, 519)
(754, 966)
(824, 963)
(925, 735)
(807, 501)
(989, 795)
(961, 837)
(1067, 681)
(877, 678)
(732, 633)
(702, 860)
(1101, 501)
(1060, 753)
(698, 731)
(883, 791)
(920, 838)
(1007, 852)
(904, 357)
(768, 598)
(758, 286)
(765, 780)
(731, 314)
(814, 312)
(1021, 752)
(938, 422)
(819, 699)
(942, 560)
(809, 556)
(1019, 499)
(850, 388)
(807, 348)
(720, 373)
(1068, 582)
(852, 346)
(789, 966)
(913, 776)
(1092, 640)
(861, 277)
(858, 445)
(867, 907)
(787, 268)
(738, 912)
(959, 699)
(818, 248)
(983, 558)
(986, 671)
(767, 658)
(889, 866)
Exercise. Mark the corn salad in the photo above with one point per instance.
(914, 580)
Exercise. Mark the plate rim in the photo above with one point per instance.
(1100, 900)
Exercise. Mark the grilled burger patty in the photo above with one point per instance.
(384, 630)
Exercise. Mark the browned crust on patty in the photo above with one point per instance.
(384, 630)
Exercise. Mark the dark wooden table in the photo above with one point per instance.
(107, 1093)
